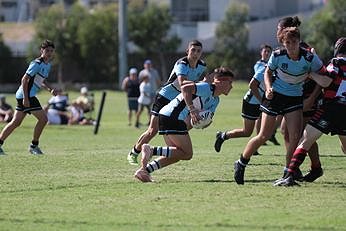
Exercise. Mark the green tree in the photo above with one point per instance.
(148, 30)
(83, 39)
(325, 27)
(98, 39)
(231, 40)
(76, 15)
(50, 24)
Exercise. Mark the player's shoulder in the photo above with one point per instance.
(279, 51)
(182, 61)
(336, 64)
(37, 61)
(307, 54)
(338, 61)
(201, 63)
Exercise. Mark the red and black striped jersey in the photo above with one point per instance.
(336, 69)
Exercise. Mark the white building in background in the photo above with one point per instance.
(199, 18)
(193, 19)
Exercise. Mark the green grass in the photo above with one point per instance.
(83, 182)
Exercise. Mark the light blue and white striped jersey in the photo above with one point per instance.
(203, 100)
(290, 74)
(259, 69)
(182, 67)
(38, 71)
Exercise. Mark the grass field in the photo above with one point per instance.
(84, 182)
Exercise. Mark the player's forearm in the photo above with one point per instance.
(187, 91)
(322, 80)
(267, 78)
(25, 86)
(253, 85)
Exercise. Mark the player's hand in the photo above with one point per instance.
(269, 93)
(308, 104)
(53, 91)
(26, 102)
(195, 117)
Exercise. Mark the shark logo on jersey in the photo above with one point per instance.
(284, 66)
(323, 123)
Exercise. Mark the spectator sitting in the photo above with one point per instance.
(6, 110)
(77, 115)
(57, 117)
(57, 108)
(58, 102)
(86, 100)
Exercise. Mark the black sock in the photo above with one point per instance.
(135, 150)
(1, 142)
(243, 160)
(34, 144)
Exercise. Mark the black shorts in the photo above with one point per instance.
(171, 126)
(330, 118)
(281, 104)
(310, 113)
(159, 102)
(34, 105)
(250, 111)
(133, 104)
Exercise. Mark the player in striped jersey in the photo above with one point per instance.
(283, 95)
(33, 80)
(186, 70)
(251, 103)
(311, 99)
(329, 118)
(174, 122)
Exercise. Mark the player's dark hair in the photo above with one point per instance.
(47, 43)
(195, 43)
(223, 71)
(340, 46)
(288, 33)
(289, 22)
(265, 46)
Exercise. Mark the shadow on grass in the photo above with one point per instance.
(136, 225)
(334, 184)
(321, 155)
(265, 164)
(261, 181)
(336, 156)
(232, 181)
(63, 187)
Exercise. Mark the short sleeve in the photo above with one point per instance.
(273, 62)
(181, 69)
(203, 89)
(33, 69)
(316, 64)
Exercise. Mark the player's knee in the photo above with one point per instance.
(187, 155)
(43, 120)
(262, 138)
(247, 133)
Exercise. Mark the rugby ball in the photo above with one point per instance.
(205, 121)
